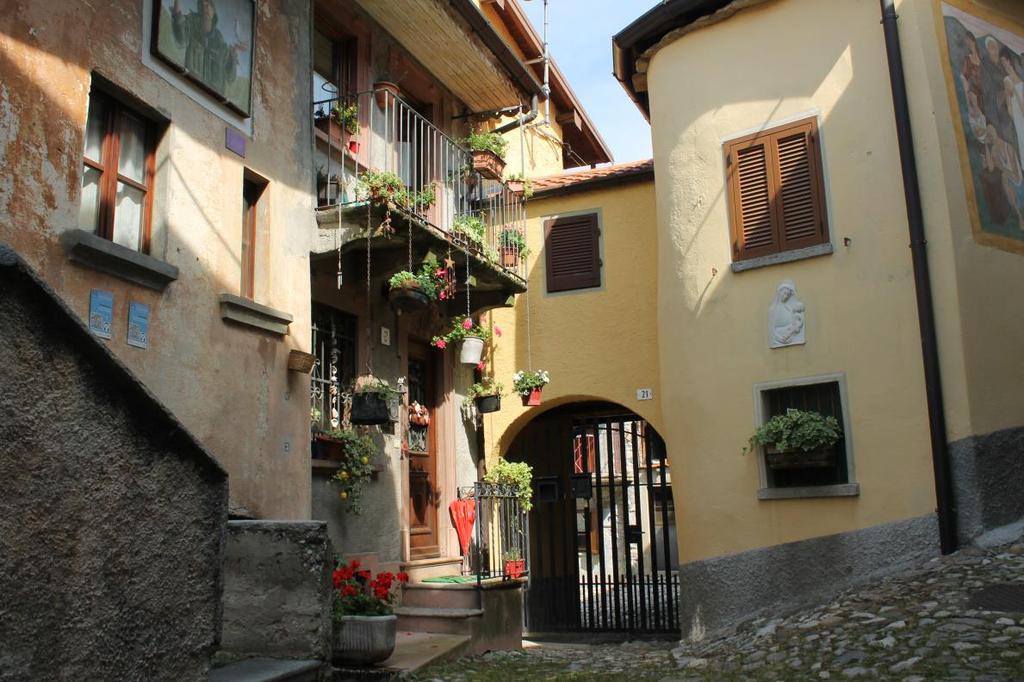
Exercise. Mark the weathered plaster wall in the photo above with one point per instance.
(596, 343)
(861, 317)
(112, 515)
(278, 600)
(229, 384)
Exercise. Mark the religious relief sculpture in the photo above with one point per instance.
(786, 317)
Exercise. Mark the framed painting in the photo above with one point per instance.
(985, 78)
(211, 43)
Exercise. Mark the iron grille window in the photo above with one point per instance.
(825, 399)
(334, 345)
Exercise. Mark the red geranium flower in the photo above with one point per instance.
(354, 564)
(363, 575)
(403, 577)
(349, 591)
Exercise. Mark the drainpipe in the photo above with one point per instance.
(922, 284)
(520, 120)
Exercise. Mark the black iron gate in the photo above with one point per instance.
(603, 536)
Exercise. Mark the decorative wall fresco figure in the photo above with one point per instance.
(786, 317)
(985, 73)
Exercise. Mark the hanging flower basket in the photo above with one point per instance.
(408, 297)
(819, 458)
(370, 408)
(515, 568)
(533, 398)
(471, 351)
(488, 164)
(486, 404)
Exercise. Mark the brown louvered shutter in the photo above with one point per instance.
(573, 254)
(776, 191)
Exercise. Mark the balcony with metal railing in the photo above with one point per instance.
(434, 200)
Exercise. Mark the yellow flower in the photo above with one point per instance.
(343, 495)
(343, 475)
(366, 460)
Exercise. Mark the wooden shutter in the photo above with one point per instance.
(573, 254)
(776, 191)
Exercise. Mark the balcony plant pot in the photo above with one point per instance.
(471, 351)
(353, 146)
(364, 640)
(488, 403)
(533, 398)
(330, 127)
(515, 568)
(488, 164)
(328, 448)
(509, 257)
(370, 408)
(381, 90)
(408, 298)
(799, 459)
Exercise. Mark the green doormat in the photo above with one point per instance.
(451, 579)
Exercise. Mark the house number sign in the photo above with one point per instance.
(645, 394)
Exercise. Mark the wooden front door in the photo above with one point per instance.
(424, 494)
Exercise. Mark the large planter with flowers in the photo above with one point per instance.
(472, 336)
(364, 625)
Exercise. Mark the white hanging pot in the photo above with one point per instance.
(472, 350)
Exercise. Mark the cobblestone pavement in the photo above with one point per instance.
(917, 626)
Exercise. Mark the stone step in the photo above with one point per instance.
(447, 621)
(413, 651)
(441, 595)
(421, 569)
(268, 670)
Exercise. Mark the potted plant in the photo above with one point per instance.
(486, 393)
(517, 184)
(472, 336)
(364, 621)
(410, 291)
(529, 385)
(511, 247)
(488, 153)
(386, 93)
(370, 402)
(355, 455)
(798, 439)
(515, 564)
(471, 229)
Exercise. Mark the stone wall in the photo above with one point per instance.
(111, 519)
(988, 477)
(721, 592)
(277, 590)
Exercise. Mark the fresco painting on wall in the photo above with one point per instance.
(210, 42)
(986, 81)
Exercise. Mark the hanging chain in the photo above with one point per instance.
(369, 297)
(529, 334)
(466, 249)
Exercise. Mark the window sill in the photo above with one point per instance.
(784, 257)
(102, 254)
(839, 490)
(243, 311)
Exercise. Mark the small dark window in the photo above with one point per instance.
(825, 399)
(776, 191)
(334, 345)
(252, 191)
(117, 174)
(573, 253)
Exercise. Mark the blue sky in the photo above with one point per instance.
(580, 36)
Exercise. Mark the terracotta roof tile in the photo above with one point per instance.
(591, 175)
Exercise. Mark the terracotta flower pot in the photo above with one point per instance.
(370, 409)
(488, 164)
(488, 403)
(471, 351)
(515, 568)
(329, 127)
(381, 92)
(532, 399)
(364, 640)
(509, 257)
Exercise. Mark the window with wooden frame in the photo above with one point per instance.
(776, 191)
(252, 190)
(573, 252)
(117, 177)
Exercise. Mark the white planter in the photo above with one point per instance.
(364, 640)
(472, 350)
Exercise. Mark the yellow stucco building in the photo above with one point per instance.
(768, 269)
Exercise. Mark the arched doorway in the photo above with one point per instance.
(603, 552)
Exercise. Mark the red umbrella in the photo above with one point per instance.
(463, 513)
